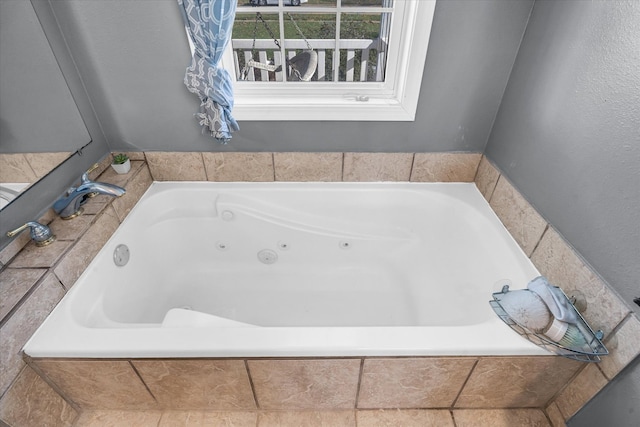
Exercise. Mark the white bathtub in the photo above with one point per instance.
(295, 269)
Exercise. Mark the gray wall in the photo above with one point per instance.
(31, 204)
(132, 55)
(37, 111)
(617, 405)
(568, 136)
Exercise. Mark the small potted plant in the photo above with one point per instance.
(121, 163)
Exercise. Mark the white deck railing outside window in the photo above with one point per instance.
(365, 60)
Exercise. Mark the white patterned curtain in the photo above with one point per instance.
(209, 24)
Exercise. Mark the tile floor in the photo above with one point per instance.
(348, 418)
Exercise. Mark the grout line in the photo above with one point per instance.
(253, 388)
(453, 417)
(625, 319)
(31, 168)
(561, 390)
(546, 227)
(473, 368)
(141, 379)
(494, 408)
(10, 385)
(546, 415)
(148, 164)
(204, 169)
(413, 162)
(493, 190)
(475, 175)
(359, 383)
(613, 334)
(53, 385)
(273, 165)
(22, 301)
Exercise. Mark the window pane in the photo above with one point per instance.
(319, 30)
(322, 3)
(244, 24)
(363, 43)
(361, 53)
(364, 3)
(309, 26)
(265, 50)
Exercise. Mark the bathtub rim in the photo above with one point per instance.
(81, 342)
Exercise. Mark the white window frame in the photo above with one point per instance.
(395, 99)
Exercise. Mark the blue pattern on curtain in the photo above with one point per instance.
(209, 23)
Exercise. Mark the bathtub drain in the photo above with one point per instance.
(267, 256)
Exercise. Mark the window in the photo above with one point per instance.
(370, 56)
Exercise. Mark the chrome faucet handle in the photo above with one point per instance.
(85, 178)
(85, 175)
(40, 234)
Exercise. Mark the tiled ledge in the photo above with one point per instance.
(564, 267)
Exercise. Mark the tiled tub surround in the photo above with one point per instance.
(27, 399)
(556, 260)
(305, 167)
(309, 384)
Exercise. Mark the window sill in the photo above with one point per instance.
(330, 109)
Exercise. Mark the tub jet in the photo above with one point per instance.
(267, 256)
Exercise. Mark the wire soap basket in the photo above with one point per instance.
(589, 353)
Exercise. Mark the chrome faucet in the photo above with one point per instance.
(69, 205)
(40, 234)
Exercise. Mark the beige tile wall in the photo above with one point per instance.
(413, 382)
(307, 384)
(28, 167)
(197, 384)
(377, 166)
(102, 384)
(45, 274)
(516, 382)
(523, 222)
(323, 167)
